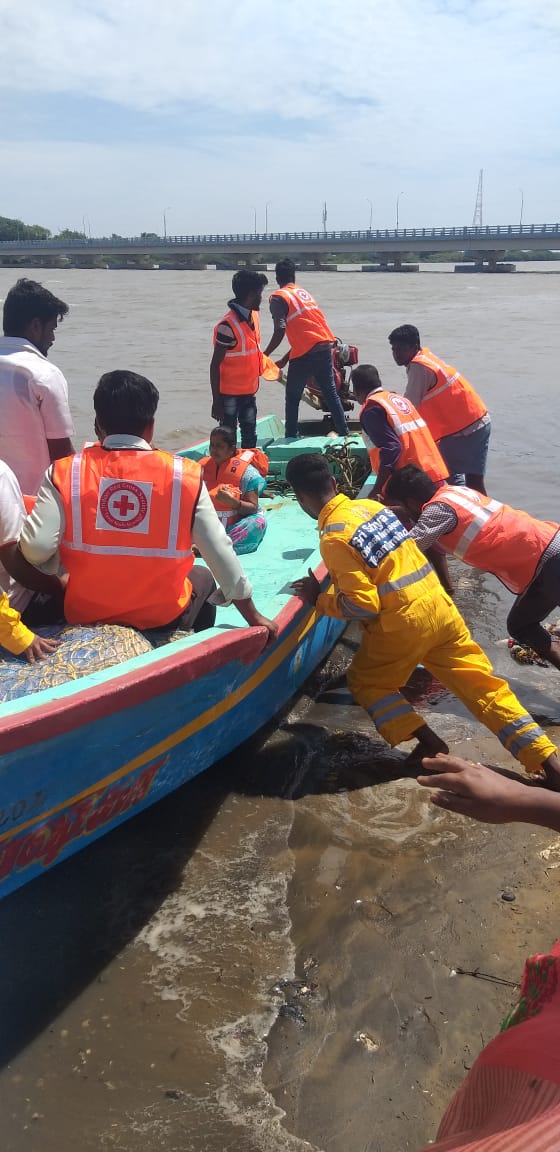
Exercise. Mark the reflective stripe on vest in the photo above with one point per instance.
(127, 535)
(77, 543)
(241, 367)
(456, 403)
(494, 537)
(481, 514)
(417, 443)
(228, 474)
(306, 325)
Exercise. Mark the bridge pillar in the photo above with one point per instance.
(389, 262)
(485, 262)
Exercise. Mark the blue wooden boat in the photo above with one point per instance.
(78, 759)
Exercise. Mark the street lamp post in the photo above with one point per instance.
(521, 210)
(255, 221)
(370, 211)
(266, 207)
(398, 198)
(165, 210)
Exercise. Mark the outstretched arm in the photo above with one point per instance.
(485, 794)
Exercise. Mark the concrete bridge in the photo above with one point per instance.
(486, 246)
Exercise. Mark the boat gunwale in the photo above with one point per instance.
(94, 702)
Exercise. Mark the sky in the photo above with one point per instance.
(220, 116)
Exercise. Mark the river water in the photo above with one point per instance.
(265, 961)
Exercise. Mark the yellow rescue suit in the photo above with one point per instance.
(382, 581)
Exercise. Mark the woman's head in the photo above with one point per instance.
(223, 444)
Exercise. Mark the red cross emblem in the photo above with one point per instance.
(122, 504)
(401, 404)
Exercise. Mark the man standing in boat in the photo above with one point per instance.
(123, 518)
(297, 316)
(456, 416)
(237, 363)
(35, 420)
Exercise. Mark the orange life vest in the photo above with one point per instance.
(242, 365)
(417, 442)
(127, 540)
(494, 537)
(305, 324)
(229, 475)
(452, 403)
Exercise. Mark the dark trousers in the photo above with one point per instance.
(198, 614)
(242, 410)
(318, 363)
(541, 597)
(43, 609)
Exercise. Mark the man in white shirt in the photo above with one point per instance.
(35, 421)
(124, 518)
(35, 595)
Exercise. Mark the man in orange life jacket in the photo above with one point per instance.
(297, 316)
(236, 362)
(393, 431)
(456, 416)
(522, 552)
(125, 516)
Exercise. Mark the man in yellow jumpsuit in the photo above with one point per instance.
(381, 580)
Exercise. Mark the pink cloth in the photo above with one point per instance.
(510, 1101)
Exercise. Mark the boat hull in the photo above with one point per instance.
(72, 773)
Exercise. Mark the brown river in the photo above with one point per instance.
(267, 960)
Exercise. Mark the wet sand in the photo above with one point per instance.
(266, 960)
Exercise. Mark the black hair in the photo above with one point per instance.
(28, 301)
(366, 377)
(309, 473)
(125, 403)
(406, 335)
(285, 272)
(227, 434)
(410, 483)
(245, 281)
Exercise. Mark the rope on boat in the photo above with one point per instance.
(351, 472)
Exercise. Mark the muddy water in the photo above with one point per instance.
(265, 962)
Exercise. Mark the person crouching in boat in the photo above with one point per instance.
(124, 517)
(235, 480)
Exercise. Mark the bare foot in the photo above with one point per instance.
(429, 744)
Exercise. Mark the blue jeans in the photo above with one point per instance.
(244, 410)
(466, 455)
(318, 363)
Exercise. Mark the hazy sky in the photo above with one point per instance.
(115, 111)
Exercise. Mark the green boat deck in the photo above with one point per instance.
(291, 543)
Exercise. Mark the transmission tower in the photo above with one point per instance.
(477, 216)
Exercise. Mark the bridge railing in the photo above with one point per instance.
(368, 236)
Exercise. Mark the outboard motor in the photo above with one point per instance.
(344, 357)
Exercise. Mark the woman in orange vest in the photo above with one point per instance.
(393, 431)
(237, 360)
(235, 481)
(456, 416)
(297, 316)
(522, 552)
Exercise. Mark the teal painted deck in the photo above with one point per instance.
(291, 543)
